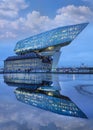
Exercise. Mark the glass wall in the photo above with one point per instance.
(61, 35)
(27, 65)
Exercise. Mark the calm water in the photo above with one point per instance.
(46, 102)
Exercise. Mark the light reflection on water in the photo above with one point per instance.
(24, 99)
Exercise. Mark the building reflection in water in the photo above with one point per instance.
(37, 90)
(31, 81)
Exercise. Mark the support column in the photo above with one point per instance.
(55, 61)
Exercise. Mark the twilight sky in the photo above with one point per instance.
(22, 18)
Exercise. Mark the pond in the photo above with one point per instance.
(44, 101)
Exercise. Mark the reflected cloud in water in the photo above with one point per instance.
(36, 90)
(54, 89)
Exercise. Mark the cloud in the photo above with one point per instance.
(15, 115)
(10, 8)
(3, 23)
(19, 116)
(73, 14)
(34, 22)
(8, 35)
(9, 13)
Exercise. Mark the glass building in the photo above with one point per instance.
(44, 49)
(49, 100)
(50, 40)
(38, 90)
(27, 63)
(28, 80)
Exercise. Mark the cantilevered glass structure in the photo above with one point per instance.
(50, 101)
(41, 53)
(39, 90)
(50, 40)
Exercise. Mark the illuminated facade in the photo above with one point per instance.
(28, 80)
(50, 40)
(38, 90)
(27, 63)
(47, 45)
(49, 100)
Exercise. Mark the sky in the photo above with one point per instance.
(23, 18)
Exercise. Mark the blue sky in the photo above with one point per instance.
(22, 18)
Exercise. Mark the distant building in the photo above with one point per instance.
(40, 53)
(77, 70)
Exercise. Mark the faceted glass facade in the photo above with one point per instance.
(49, 101)
(59, 36)
(40, 53)
(39, 90)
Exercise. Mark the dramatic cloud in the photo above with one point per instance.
(34, 22)
(22, 116)
(10, 8)
(73, 14)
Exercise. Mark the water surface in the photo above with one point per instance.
(46, 101)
